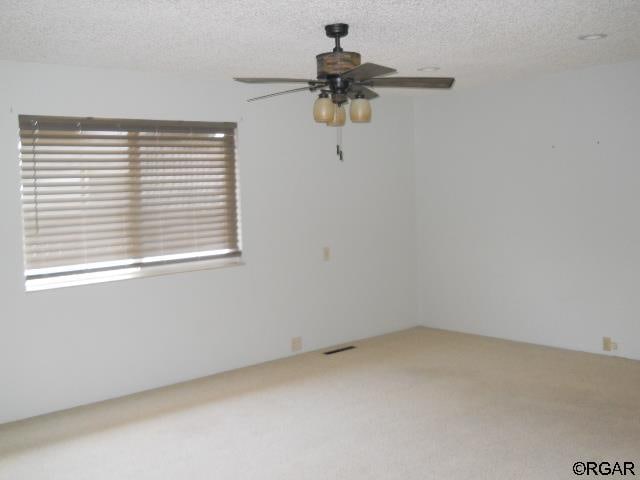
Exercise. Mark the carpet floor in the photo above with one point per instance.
(417, 404)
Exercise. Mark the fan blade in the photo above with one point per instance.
(280, 93)
(367, 71)
(274, 80)
(410, 82)
(368, 93)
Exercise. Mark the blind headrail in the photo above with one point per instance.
(45, 122)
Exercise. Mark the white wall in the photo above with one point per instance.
(528, 227)
(71, 346)
(528, 204)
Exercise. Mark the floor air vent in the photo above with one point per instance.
(338, 350)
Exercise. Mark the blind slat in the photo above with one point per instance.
(100, 255)
(87, 216)
(33, 228)
(44, 133)
(138, 168)
(107, 197)
(208, 159)
(118, 191)
(121, 182)
(41, 191)
(122, 241)
(37, 177)
(110, 234)
(123, 155)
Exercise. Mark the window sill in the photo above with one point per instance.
(71, 280)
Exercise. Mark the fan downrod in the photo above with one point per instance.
(337, 31)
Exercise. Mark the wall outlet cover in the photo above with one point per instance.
(296, 344)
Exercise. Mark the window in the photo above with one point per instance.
(106, 199)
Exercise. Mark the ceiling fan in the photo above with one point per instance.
(341, 77)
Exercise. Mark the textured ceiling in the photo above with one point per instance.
(477, 41)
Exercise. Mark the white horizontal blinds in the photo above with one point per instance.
(101, 194)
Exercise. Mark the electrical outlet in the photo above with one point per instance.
(296, 344)
(326, 254)
(608, 344)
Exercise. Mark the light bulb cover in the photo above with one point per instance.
(339, 117)
(323, 108)
(360, 110)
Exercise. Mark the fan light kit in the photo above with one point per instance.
(342, 79)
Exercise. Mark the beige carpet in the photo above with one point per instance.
(418, 404)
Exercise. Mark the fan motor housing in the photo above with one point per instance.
(336, 63)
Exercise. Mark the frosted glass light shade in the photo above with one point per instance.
(360, 111)
(339, 117)
(323, 109)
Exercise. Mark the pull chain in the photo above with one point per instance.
(339, 143)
